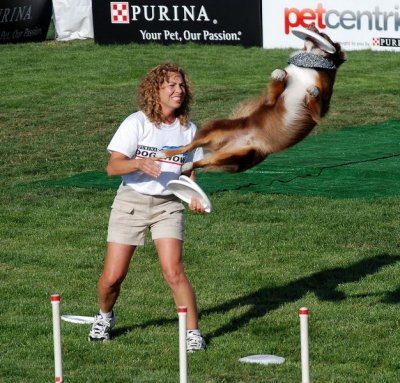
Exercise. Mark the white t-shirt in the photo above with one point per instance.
(137, 137)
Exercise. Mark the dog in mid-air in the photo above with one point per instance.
(292, 105)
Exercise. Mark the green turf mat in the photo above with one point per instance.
(360, 162)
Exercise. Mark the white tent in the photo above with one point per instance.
(73, 19)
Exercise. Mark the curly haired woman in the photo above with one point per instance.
(143, 202)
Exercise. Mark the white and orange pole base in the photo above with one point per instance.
(55, 303)
(182, 314)
(305, 362)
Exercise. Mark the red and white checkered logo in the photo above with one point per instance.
(376, 41)
(120, 12)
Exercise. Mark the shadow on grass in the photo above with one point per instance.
(392, 297)
(323, 284)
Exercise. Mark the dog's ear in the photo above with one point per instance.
(339, 57)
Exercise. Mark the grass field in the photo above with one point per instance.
(254, 260)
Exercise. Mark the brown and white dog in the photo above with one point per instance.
(294, 102)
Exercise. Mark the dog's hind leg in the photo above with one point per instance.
(233, 161)
(173, 152)
(196, 143)
(211, 135)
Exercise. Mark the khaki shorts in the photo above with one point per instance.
(133, 213)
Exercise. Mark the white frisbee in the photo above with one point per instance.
(204, 198)
(187, 179)
(323, 43)
(185, 189)
(263, 359)
(78, 319)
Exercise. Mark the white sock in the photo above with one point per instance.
(193, 332)
(106, 315)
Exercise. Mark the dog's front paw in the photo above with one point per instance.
(160, 155)
(187, 167)
(278, 75)
(313, 91)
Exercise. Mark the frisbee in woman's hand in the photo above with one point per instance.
(185, 189)
(323, 43)
(186, 179)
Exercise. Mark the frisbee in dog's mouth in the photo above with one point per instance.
(318, 39)
(310, 60)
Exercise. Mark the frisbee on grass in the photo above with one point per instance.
(185, 189)
(263, 359)
(323, 43)
(78, 319)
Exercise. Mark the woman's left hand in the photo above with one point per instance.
(196, 206)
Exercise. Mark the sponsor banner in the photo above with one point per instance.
(356, 25)
(24, 20)
(232, 22)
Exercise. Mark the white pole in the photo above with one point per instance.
(182, 313)
(305, 365)
(55, 303)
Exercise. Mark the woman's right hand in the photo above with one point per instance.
(119, 164)
(150, 166)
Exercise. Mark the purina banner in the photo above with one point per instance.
(357, 24)
(232, 22)
(24, 20)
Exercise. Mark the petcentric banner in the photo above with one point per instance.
(231, 22)
(356, 25)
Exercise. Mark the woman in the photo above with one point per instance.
(143, 201)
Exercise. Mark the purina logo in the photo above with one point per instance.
(386, 42)
(120, 12)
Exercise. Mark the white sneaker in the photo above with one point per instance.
(195, 342)
(101, 328)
